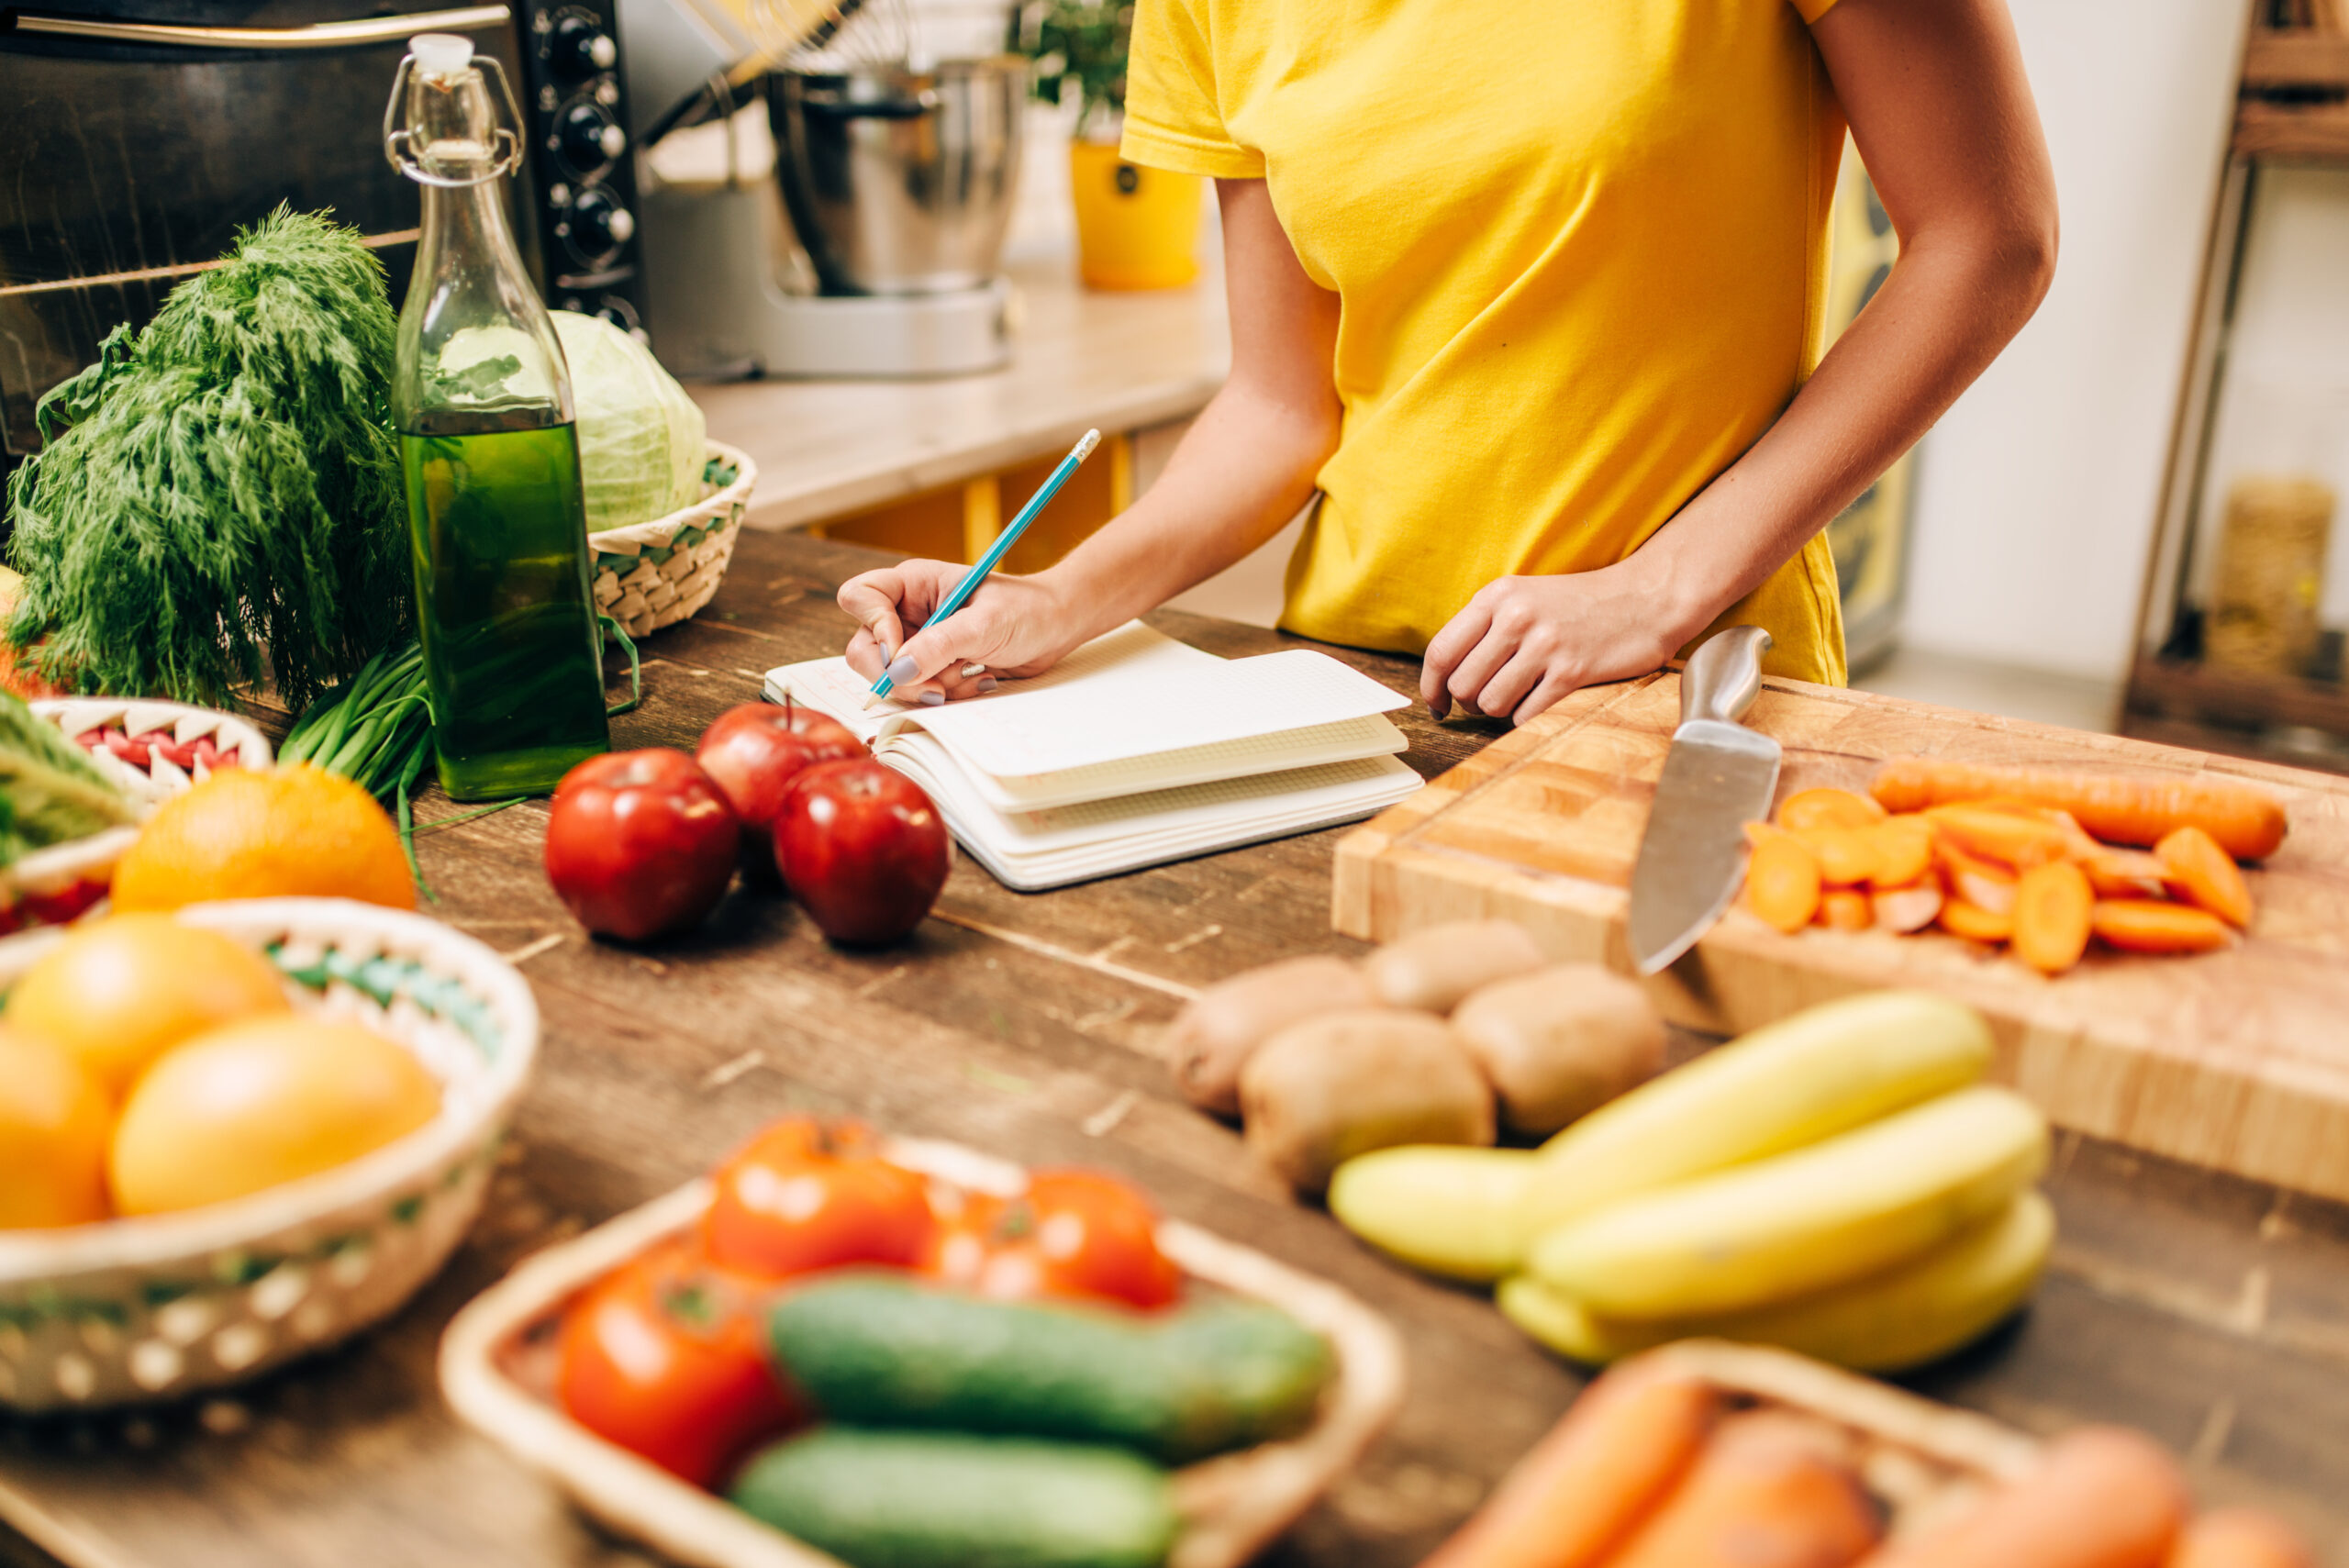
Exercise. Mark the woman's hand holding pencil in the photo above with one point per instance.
(1012, 626)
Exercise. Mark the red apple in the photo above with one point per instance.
(755, 752)
(861, 848)
(640, 844)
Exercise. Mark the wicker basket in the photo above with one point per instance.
(129, 1310)
(1924, 1463)
(648, 575)
(494, 1371)
(53, 886)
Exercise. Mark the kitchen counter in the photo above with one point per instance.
(1081, 358)
(2208, 1310)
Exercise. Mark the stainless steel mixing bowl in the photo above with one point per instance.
(899, 181)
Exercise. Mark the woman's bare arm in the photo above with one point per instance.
(1943, 117)
(1243, 469)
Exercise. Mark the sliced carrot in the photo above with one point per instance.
(1828, 808)
(1586, 1486)
(1847, 856)
(2239, 1537)
(1904, 850)
(2146, 925)
(2052, 904)
(1846, 909)
(1962, 917)
(2009, 838)
(1905, 909)
(2118, 807)
(2194, 865)
(2101, 1498)
(1765, 1493)
(1782, 882)
(2122, 874)
(1985, 884)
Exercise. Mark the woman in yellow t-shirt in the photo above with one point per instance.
(1529, 292)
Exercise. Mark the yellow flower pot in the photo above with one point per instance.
(1136, 227)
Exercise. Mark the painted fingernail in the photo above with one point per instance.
(932, 699)
(988, 683)
(903, 670)
(972, 672)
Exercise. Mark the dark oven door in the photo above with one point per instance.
(143, 133)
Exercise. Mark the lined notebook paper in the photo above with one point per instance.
(1135, 750)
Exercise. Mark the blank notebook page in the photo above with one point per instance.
(1127, 703)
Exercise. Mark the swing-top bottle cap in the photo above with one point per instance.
(441, 54)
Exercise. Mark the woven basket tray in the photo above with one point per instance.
(1924, 1463)
(495, 1370)
(648, 575)
(154, 1307)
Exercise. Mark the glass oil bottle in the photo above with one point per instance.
(482, 400)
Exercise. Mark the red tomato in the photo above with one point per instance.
(808, 1194)
(664, 1356)
(1072, 1234)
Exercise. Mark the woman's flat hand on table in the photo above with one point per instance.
(1524, 643)
(1012, 626)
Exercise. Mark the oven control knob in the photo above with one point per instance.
(579, 52)
(590, 140)
(600, 225)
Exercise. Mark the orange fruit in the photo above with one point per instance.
(253, 833)
(260, 1102)
(53, 1126)
(118, 993)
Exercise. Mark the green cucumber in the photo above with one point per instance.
(881, 1351)
(943, 1500)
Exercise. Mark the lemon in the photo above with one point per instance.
(118, 993)
(290, 832)
(260, 1102)
(53, 1126)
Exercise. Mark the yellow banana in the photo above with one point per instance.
(1822, 1071)
(1905, 1317)
(1802, 1221)
(1450, 1211)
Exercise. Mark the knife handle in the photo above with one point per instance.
(1724, 675)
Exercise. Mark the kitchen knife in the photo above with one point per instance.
(1717, 776)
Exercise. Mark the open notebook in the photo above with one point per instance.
(1134, 750)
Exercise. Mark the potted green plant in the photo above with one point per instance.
(1136, 227)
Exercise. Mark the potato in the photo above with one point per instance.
(1320, 1092)
(1224, 1024)
(1560, 1042)
(1433, 969)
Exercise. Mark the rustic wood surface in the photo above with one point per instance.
(2237, 1060)
(2212, 1312)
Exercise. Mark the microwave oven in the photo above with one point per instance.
(141, 134)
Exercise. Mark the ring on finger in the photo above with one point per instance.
(972, 671)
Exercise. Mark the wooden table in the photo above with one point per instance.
(2214, 1313)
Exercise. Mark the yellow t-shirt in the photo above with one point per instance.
(1580, 248)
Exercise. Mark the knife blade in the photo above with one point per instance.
(1717, 776)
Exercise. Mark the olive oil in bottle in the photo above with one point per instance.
(497, 523)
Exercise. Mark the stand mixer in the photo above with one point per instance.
(818, 200)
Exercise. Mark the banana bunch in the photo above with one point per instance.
(1840, 1183)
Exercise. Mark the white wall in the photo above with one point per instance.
(2035, 509)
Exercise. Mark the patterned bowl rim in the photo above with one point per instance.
(29, 1257)
(631, 538)
(243, 731)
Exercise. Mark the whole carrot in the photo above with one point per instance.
(1767, 1492)
(1584, 1487)
(2101, 1498)
(2239, 1537)
(2120, 807)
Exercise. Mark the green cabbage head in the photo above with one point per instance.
(640, 436)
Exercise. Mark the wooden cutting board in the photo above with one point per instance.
(2237, 1060)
